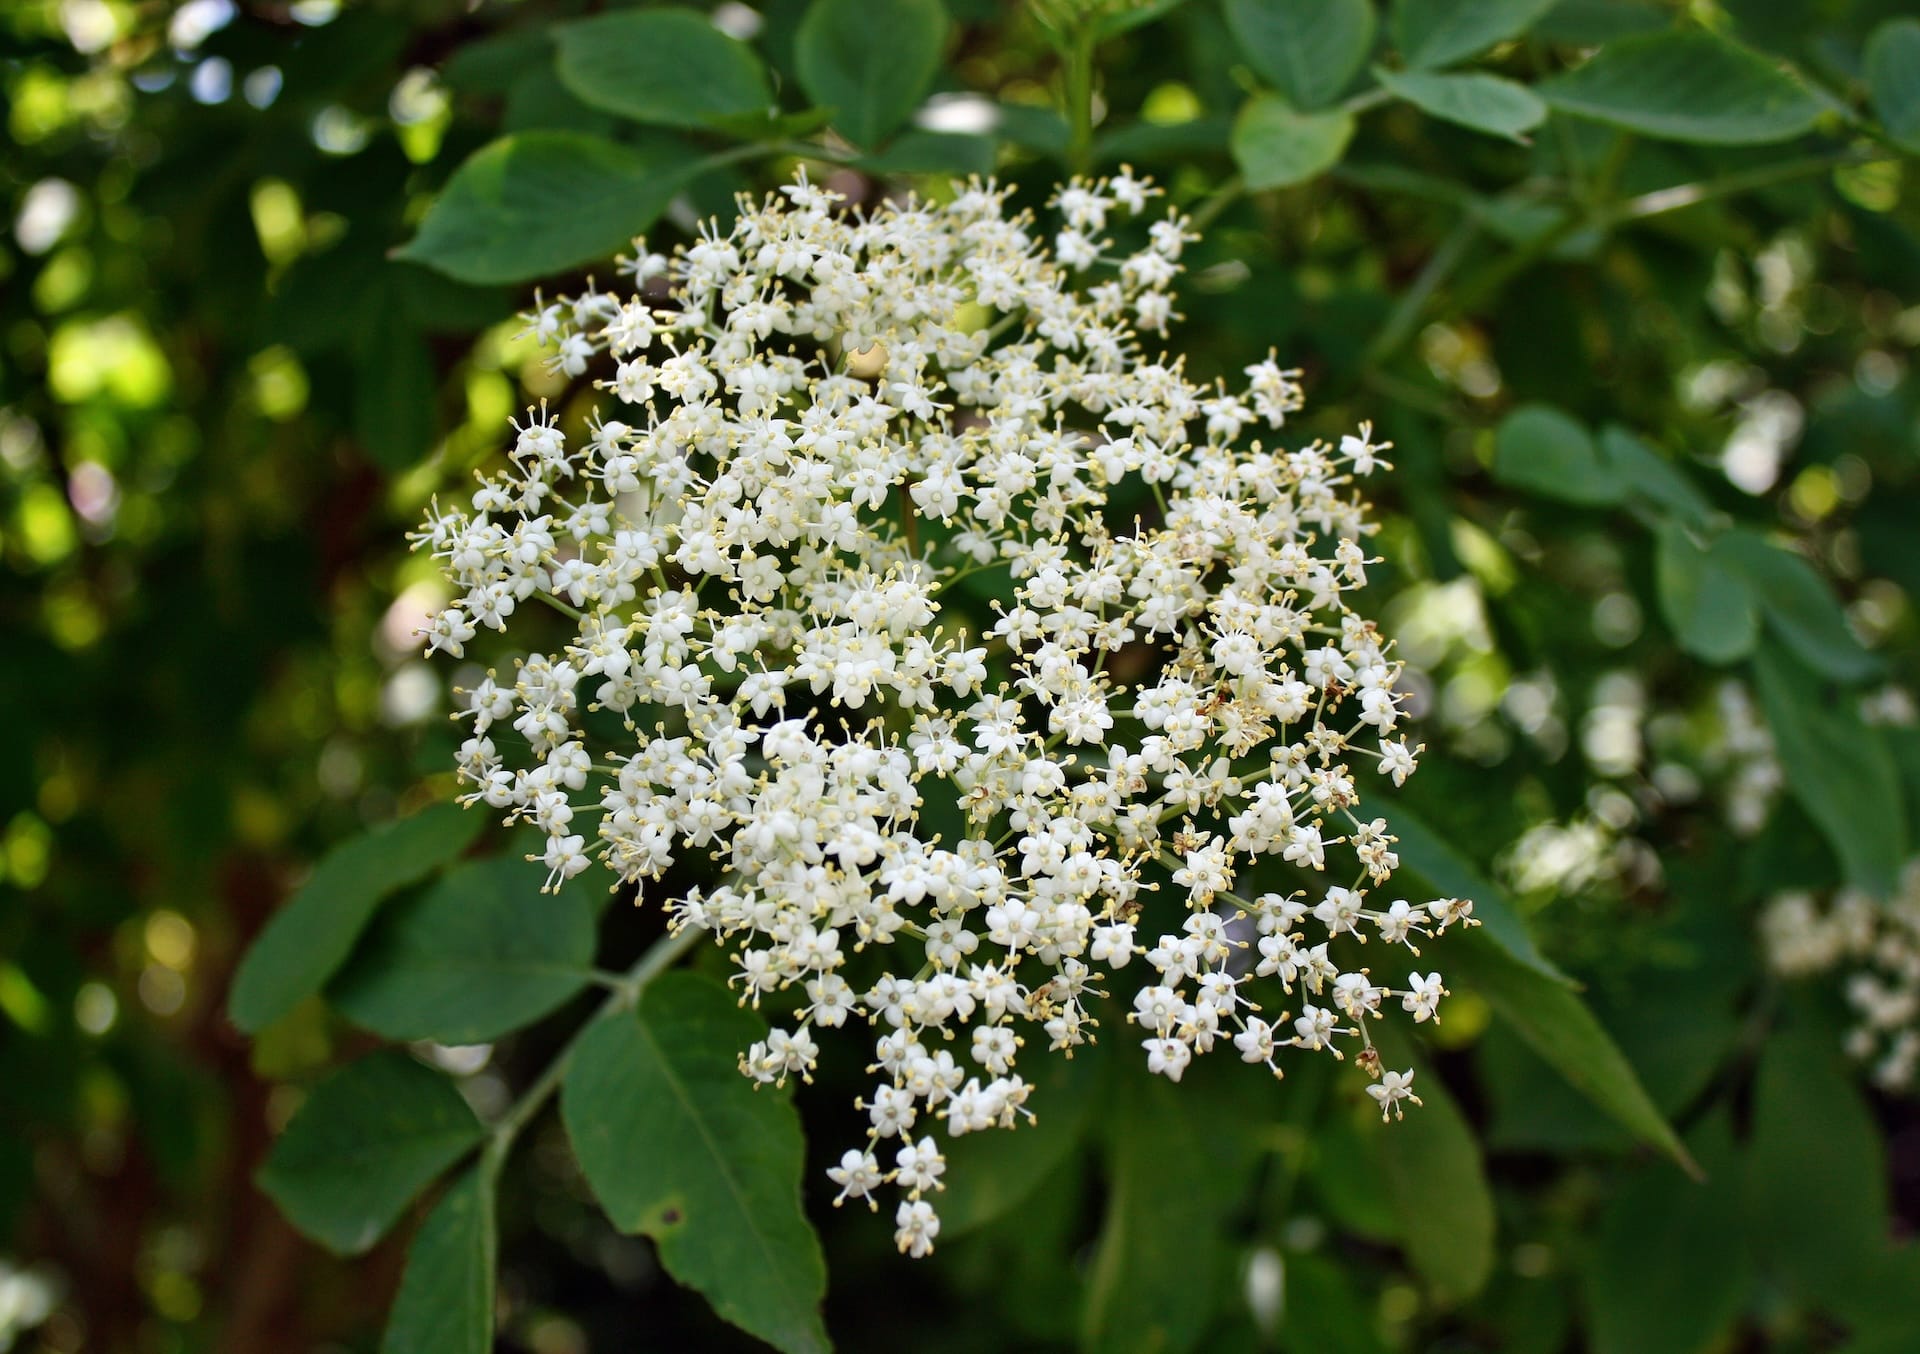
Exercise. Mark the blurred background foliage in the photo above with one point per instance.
(1642, 331)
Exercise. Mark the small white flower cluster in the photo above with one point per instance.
(820, 424)
(1879, 942)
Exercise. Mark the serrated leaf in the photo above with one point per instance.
(539, 202)
(1687, 87)
(445, 1303)
(1437, 1184)
(1799, 606)
(368, 1139)
(670, 67)
(1670, 1267)
(1842, 772)
(1710, 609)
(1893, 79)
(480, 954)
(1486, 103)
(1309, 52)
(1276, 147)
(309, 938)
(871, 64)
(1552, 1019)
(678, 1145)
(1433, 33)
(1548, 452)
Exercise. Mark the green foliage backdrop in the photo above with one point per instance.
(1633, 287)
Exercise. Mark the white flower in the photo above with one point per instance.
(821, 426)
(1391, 1089)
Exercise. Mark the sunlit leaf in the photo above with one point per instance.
(666, 66)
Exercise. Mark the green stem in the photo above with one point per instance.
(1079, 99)
(1405, 317)
(626, 992)
(1218, 201)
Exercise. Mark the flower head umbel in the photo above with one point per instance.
(943, 621)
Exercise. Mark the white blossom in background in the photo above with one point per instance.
(1877, 944)
(816, 424)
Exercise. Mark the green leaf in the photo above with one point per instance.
(313, 934)
(872, 64)
(1277, 147)
(678, 1145)
(1893, 79)
(1160, 1258)
(480, 954)
(1432, 33)
(990, 1174)
(1437, 1184)
(1485, 103)
(1709, 608)
(394, 386)
(1649, 474)
(540, 202)
(1799, 606)
(1687, 87)
(920, 152)
(1557, 1025)
(1428, 855)
(445, 1304)
(1308, 51)
(1548, 452)
(1670, 1267)
(368, 1139)
(1323, 1311)
(666, 66)
(1842, 772)
(1816, 1183)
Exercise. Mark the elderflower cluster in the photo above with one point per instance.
(970, 655)
(1879, 944)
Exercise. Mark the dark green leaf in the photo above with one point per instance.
(1893, 78)
(1323, 1311)
(871, 64)
(1816, 1168)
(670, 66)
(1161, 1252)
(368, 1139)
(1485, 103)
(1437, 1183)
(920, 152)
(1428, 855)
(1687, 87)
(1557, 1025)
(1548, 452)
(1670, 1266)
(678, 1145)
(480, 954)
(1799, 606)
(1650, 475)
(1842, 772)
(989, 1174)
(445, 1303)
(1709, 608)
(393, 388)
(1308, 51)
(313, 934)
(539, 202)
(1433, 33)
(1277, 147)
